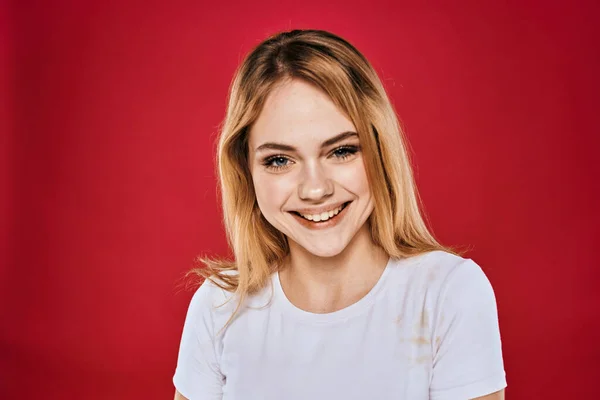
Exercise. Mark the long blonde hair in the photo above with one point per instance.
(340, 70)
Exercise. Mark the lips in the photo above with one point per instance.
(323, 216)
(324, 219)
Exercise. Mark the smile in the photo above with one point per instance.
(323, 219)
(324, 216)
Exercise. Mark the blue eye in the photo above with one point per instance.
(344, 152)
(276, 162)
(279, 161)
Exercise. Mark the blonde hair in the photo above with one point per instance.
(340, 70)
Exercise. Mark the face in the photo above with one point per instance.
(308, 171)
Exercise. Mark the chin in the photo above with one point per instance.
(324, 249)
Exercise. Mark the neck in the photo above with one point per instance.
(319, 284)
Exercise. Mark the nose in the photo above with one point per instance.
(315, 184)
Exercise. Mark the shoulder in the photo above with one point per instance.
(208, 303)
(457, 285)
(456, 275)
(433, 266)
(440, 274)
(207, 295)
(460, 277)
(212, 304)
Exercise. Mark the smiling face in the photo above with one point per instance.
(308, 172)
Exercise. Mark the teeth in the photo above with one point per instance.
(324, 216)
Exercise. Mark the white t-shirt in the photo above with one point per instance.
(427, 330)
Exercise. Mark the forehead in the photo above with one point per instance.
(297, 112)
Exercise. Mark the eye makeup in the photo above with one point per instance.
(279, 162)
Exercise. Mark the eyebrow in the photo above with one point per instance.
(287, 147)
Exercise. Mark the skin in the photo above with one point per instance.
(304, 155)
(325, 270)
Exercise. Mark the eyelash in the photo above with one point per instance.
(348, 151)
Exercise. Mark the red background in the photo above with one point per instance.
(111, 111)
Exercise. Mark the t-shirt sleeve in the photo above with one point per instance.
(467, 360)
(197, 376)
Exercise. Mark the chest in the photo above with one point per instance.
(379, 355)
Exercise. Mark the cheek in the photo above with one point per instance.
(353, 178)
(271, 192)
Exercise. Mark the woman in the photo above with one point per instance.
(338, 290)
